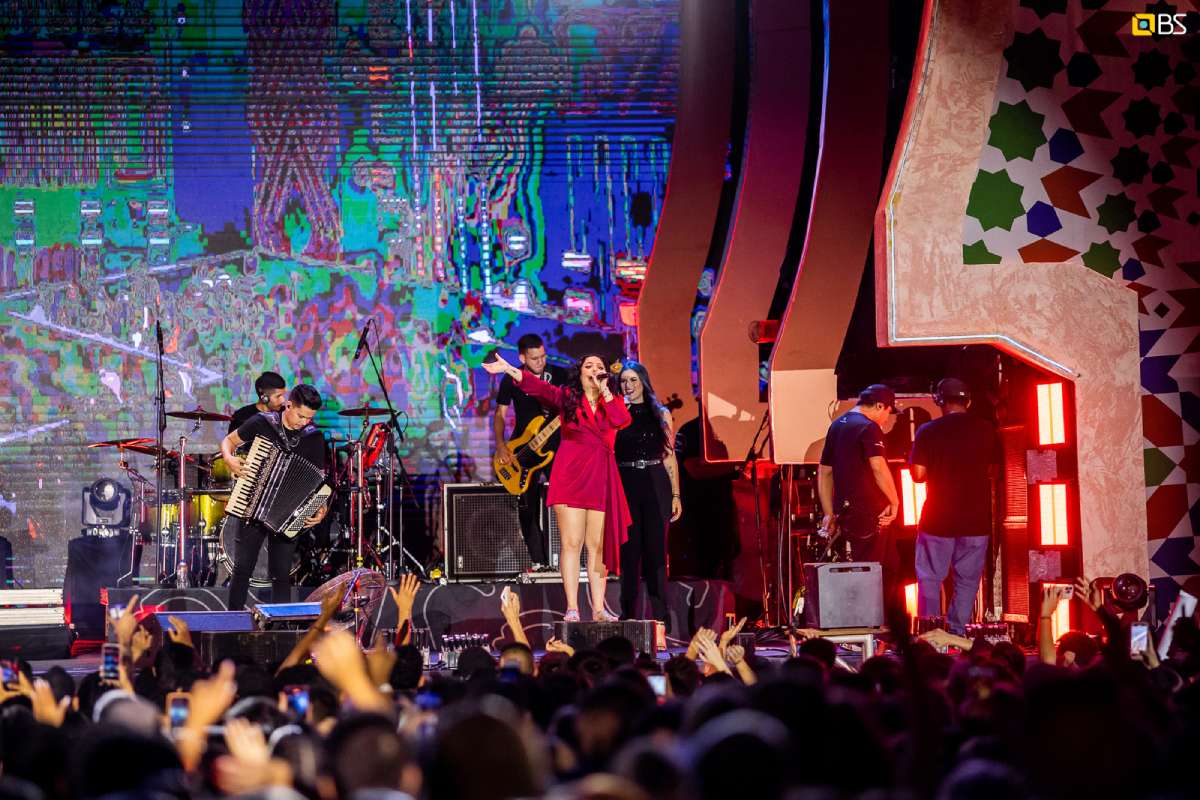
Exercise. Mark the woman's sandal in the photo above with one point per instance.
(572, 615)
(603, 616)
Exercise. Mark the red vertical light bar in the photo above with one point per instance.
(1051, 427)
(912, 498)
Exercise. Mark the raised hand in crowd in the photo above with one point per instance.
(710, 653)
(510, 609)
(330, 604)
(693, 648)
(731, 633)
(179, 633)
(210, 698)
(380, 659)
(249, 766)
(140, 645)
(556, 646)
(46, 709)
(341, 662)
(405, 595)
(127, 623)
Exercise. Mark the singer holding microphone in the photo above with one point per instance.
(585, 485)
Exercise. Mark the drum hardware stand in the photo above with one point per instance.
(138, 484)
(182, 579)
(160, 408)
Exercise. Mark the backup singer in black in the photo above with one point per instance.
(650, 476)
(292, 430)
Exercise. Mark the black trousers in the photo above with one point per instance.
(529, 511)
(248, 540)
(644, 556)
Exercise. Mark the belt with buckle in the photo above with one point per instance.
(640, 464)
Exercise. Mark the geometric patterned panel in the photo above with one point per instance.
(1093, 155)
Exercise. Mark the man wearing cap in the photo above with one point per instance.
(856, 489)
(956, 456)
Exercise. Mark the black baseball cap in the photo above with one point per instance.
(878, 393)
(953, 389)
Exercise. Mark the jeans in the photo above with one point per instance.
(935, 556)
(248, 538)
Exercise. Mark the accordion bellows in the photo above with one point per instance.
(277, 489)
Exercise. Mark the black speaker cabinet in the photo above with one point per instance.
(260, 647)
(843, 595)
(589, 634)
(483, 533)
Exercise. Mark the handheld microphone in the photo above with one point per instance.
(362, 341)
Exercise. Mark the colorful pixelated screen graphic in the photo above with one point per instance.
(265, 176)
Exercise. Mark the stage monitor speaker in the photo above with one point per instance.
(483, 533)
(843, 595)
(267, 648)
(35, 642)
(589, 634)
(215, 621)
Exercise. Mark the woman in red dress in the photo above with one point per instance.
(585, 486)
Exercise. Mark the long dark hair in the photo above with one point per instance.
(573, 389)
(650, 398)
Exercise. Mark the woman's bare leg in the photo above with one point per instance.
(571, 525)
(597, 570)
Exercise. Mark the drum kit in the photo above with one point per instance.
(191, 514)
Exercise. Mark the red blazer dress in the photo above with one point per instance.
(584, 473)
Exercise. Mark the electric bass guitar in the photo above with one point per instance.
(528, 455)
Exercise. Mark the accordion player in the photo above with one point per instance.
(278, 490)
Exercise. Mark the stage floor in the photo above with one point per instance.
(457, 608)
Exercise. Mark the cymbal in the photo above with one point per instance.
(154, 450)
(125, 443)
(364, 411)
(201, 414)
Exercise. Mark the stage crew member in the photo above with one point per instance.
(292, 430)
(956, 456)
(858, 495)
(531, 352)
(271, 389)
(585, 486)
(650, 476)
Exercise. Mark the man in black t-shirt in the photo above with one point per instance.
(857, 493)
(956, 457)
(271, 389)
(531, 351)
(292, 430)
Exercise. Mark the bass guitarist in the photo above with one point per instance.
(531, 351)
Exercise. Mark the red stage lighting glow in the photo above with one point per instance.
(912, 498)
(1051, 429)
(1052, 505)
(910, 599)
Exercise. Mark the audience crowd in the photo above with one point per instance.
(936, 716)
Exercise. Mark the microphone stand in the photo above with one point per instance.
(751, 460)
(394, 432)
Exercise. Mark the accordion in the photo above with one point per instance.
(277, 489)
